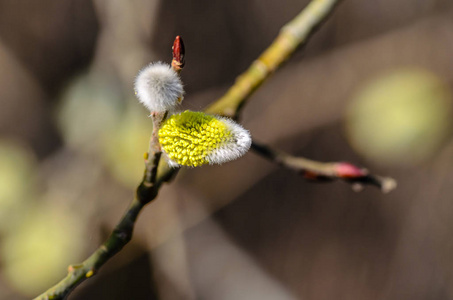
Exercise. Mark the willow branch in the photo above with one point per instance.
(292, 35)
(145, 193)
(322, 171)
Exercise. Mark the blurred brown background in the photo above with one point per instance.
(373, 87)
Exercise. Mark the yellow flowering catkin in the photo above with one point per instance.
(195, 138)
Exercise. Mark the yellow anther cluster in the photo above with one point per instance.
(187, 138)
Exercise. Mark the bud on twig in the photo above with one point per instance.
(158, 87)
(178, 52)
(347, 170)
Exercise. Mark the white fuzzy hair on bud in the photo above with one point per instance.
(237, 147)
(158, 87)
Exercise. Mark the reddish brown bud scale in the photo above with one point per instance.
(310, 175)
(178, 52)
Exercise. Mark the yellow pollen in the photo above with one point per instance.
(187, 138)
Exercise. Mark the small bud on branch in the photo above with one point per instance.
(158, 87)
(178, 52)
(347, 170)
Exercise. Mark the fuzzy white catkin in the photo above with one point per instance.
(237, 147)
(158, 87)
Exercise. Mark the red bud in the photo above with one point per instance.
(178, 54)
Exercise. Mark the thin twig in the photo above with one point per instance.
(292, 35)
(321, 171)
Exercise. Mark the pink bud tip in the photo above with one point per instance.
(347, 170)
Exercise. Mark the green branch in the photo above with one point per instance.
(292, 35)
